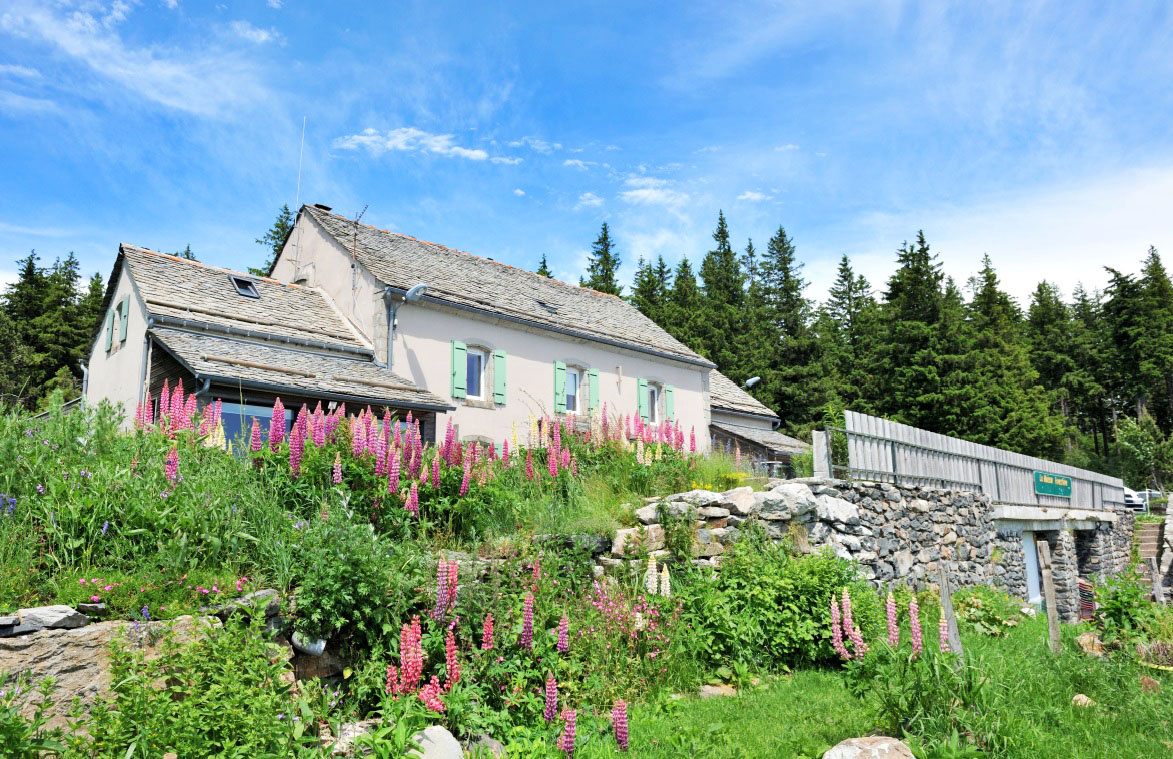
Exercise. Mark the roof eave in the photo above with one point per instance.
(771, 417)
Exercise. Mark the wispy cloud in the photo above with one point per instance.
(535, 144)
(247, 31)
(274, 4)
(786, 148)
(408, 139)
(577, 163)
(752, 196)
(519, 192)
(588, 200)
(508, 160)
(203, 81)
(18, 72)
(11, 101)
(650, 191)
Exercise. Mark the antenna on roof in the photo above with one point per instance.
(297, 198)
(354, 250)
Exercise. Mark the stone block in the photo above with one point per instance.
(712, 512)
(435, 742)
(649, 514)
(649, 538)
(798, 498)
(59, 617)
(739, 500)
(830, 509)
(697, 497)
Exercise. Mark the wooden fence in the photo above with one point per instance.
(885, 451)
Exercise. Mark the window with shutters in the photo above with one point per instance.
(474, 382)
(573, 389)
(655, 394)
(479, 377)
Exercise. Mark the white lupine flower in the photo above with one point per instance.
(651, 579)
(665, 582)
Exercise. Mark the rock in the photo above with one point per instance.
(487, 746)
(90, 610)
(772, 507)
(710, 691)
(307, 646)
(318, 667)
(348, 733)
(1149, 685)
(10, 620)
(1090, 644)
(706, 545)
(60, 617)
(267, 598)
(712, 512)
(649, 538)
(679, 510)
(648, 514)
(873, 747)
(798, 498)
(836, 510)
(1081, 701)
(1029, 611)
(902, 560)
(697, 497)
(437, 743)
(726, 536)
(739, 501)
(78, 659)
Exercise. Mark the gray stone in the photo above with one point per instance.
(268, 599)
(697, 497)
(726, 536)
(60, 617)
(903, 562)
(648, 514)
(872, 747)
(680, 510)
(13, 631)
(348, 733)
(308, 646)
(739, 501)
(488, 746)
(712, 512)
(89, 609)
(838, 510)
(437, 743)
(9, 620)
(650, 538)
(772, 507)
(797, 497)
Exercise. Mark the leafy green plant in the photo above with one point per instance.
(988, 611)
(1123, 606)
(26, 738)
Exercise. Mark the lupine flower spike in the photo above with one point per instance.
(914, 626)
(837, 631)
(893, 629)
(487, 633)
(651, 577)
(527, 622)
(566, 742)
(665, 582)
(619, 723)
(551, 711)
(563, 634)
(337, 468)
(943, 634)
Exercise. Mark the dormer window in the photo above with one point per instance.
(244, 286)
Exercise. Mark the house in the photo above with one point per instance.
(738, 419)
(245, 340)
(498, 344)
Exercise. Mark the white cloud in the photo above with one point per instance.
(588, 200)
(509, 160)
(786, 148)
(274, 4)
(577, 163)
(519, 192)
(752, 196)
(204, 81)
(11, 101)
(172, 4)
(535, 144)
(247, 31)
(650, 191)
(18, 72)
(408, 139)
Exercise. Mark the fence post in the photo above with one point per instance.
(821, 454)
(1044, 551)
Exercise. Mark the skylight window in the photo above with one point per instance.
(244, 286)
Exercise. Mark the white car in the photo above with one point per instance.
(1133, 500)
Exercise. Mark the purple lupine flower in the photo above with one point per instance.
(527, 622)
(413, 500)
(296, 450)
(393, 476)
(551, 710)
(893, 629)
(552, 462)
(254, 442)
(619, 723)
(171, 467)
(338, 468)
(436, 470)
(276, 426)
(467, 476)
(566, 742)
(319, 426)
(837, 631)
(914, 626)
(105, 526)
(146, 612)
(563, 634)
(441, 605)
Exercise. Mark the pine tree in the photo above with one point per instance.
(650, 292)
(274, 241)
(186, 253)
(1048, 331)
(684, 306)
(544, 268)
(846, 330)
(1156, 339)
(603, 267)
(722, 301)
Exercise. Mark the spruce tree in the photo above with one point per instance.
(273, 240)
(603, 267)
(684, 306)
(846, 330)
(650, 292)
(723, 301)
(1048, 330)
(544, 268)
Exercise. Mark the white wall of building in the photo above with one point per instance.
(116, 375)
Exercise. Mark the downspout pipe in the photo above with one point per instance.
(85, 381)
(393, 303)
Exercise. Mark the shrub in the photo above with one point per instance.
(988, 611)
(1123, 606)
(22, 738)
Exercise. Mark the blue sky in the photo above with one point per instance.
(1036, 132)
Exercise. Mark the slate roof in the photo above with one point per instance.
(774, 441)
(724, 394)
(191, 290)
(229, 361)
(464, 280)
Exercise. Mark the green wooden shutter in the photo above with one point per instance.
(110, 327)
(593, 388)
(125, 319)
(499, 377)
(669, 402)
(559, 387)
(642, 401)
(459, 369)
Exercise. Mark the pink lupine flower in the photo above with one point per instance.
(848, 621)
(138, 416)
(914, 626)
(565, 458)
(189, 410)
(943, 634)
(536, 571)
(574, 466)
(487, 633)
(177, 403)
(837, 631)
(165, 401)
(527, 622)
(893, 629)
(441, 604)
(529, 464)
(395, 439)
(692, 440)
(563, 634)
(254, 437)
(171, 468)
(356, 437)
(338, 468)
(393, 477)
(551, 710)
(436, 471)
(552, 462)
(505, 454)
(619, 723)
(277, 426)
(296, 450)
(424, 475)
(451, 661)
(467, 475)
(430, 695)
(413, 500)
(453, 585)
(411, 659)
(566, 742)
(557, 445)
(627, 424)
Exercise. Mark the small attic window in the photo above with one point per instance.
(547, 306)
(244, 286)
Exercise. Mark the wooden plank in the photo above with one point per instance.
(1155, 578)
(1044, 551)
(950, 616)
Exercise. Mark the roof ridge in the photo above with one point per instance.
(502, 264)
(182, 260)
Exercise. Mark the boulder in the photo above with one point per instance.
(60, 617)
(1089, 643)
(710, 691)
(89, 609)
(9, 620)
(697, 498)
(1082, 701)
(712, 512)
(706, 545)
(650, 538)
(872, 747)
(649, 514)
(348, 733)
(836, 510)
(308, 646)
(437, 743)
(486, 746)
(267, 599)
(740, 501)
(797, 497)
(317, 667)
(78, 659)
(771, 506)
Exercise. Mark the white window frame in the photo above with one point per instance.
(655, 394)
(482, 354)
(577, 373)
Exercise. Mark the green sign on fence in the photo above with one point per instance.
(1053, 484)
